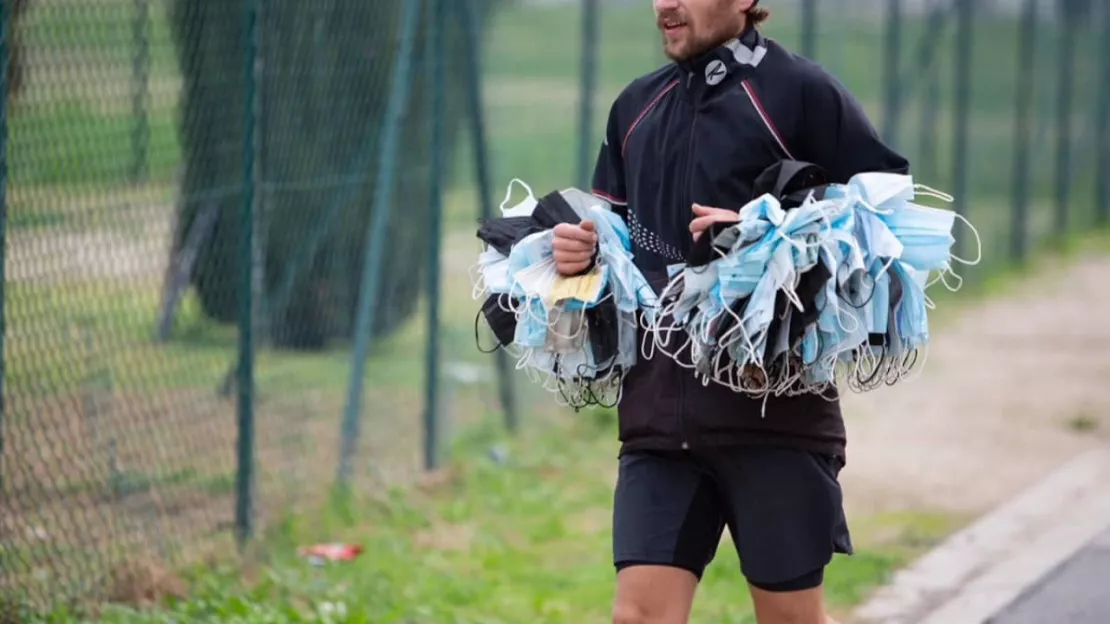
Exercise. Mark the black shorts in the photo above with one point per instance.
(783, 508)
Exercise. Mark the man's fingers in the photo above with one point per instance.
(572, 256)
(575, 232)
(701, 223)
(702, 211)
(571, 245)
(587, 225)
(571, 268)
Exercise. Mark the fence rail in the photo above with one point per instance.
(235, 233)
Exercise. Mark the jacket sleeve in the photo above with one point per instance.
(838, 135)
(608, 180)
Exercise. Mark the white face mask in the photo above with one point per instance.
(877, 188)
(526, 205)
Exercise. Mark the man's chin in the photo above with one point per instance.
(677, 53)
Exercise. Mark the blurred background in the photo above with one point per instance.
(237, 306)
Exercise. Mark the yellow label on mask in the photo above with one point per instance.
(585, 288)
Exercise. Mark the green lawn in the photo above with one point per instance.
(522, 539)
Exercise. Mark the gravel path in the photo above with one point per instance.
(1012, 388)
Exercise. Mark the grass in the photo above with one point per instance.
(523, 539)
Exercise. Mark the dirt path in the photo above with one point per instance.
(1013, 388)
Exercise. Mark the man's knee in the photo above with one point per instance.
(789, 607)
(631, 613)
(626, 613)
(653, 595)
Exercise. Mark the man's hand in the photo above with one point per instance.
(706, 216)
(573, 247)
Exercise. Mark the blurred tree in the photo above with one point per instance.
(325, 79)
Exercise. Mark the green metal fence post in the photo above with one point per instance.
(400, 84)
(892, 105)
(964, 22)
(927, 71)
(809, 28)
(1023, 130)
(436, 79)
(469, 19)
(244, 482)
(140, 76)
(587, 92)
(5, 59)
(1066, 79)
(1102, 121)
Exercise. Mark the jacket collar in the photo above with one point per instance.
(740, 54)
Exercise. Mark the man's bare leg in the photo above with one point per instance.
(649, 594)
(797, 607)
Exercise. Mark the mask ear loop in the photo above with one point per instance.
(512, 305)
(959, 280)
(478, 341)
(840, 322)
(477, 280)
(978, 243)
(926, 191)
(868, 368)
(913, 369)
(661, 340)
(659, 334)
(578, 321)
(509, 192)
(726, 339)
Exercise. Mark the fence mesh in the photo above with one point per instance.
(167, 158)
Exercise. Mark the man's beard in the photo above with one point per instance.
(695, 47)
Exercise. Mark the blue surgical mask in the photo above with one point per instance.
(530, 251)
(925, 233)
(911, 317)
(697, 282)
(531, 326)
(878, 308)
(493, 266)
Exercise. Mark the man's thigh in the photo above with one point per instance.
(667, 522)
(666, 512)
(784, 510)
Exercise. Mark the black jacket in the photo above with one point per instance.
(701, 131)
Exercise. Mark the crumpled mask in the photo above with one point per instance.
(502, 234)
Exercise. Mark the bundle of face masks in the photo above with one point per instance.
(810, 288)
(574, 335)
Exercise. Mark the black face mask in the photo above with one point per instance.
(728, 321)
(857, 289)
(497, 310)
(790, 181)
(704, 250)
(502, 233)
(810, 284)
(552, 209)
(601, 327)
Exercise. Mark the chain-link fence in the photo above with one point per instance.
(202, 193)
(198, 192)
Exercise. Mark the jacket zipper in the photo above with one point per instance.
(681, 381)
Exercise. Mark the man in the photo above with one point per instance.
(682, 148)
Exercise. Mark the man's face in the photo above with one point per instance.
(691, 27)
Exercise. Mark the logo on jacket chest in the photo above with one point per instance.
(715, 72)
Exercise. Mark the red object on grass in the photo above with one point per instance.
(331, 552)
